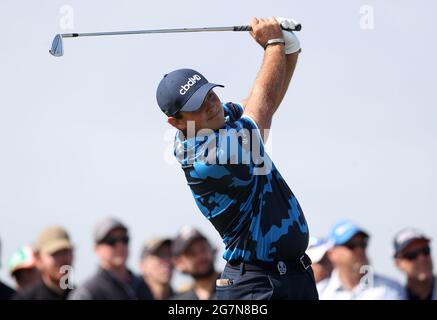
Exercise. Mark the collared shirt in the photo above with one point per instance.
(242, 193)
(409, 295)
(372, 288)
(321, 285)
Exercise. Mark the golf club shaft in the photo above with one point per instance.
(114, 33)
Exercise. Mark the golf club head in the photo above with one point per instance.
(57, 49)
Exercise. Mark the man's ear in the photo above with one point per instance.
(177, 123)
(38, 262)
(96, 249)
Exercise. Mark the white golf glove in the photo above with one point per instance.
(292, 43)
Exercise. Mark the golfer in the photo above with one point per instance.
(236, 186)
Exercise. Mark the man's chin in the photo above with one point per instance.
(424, 276)
(218, 124)
(203, 274)
(357, 267)
(119, 263)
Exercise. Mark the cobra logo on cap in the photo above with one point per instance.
(191, 82)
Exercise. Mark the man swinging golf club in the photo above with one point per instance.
(236, 186)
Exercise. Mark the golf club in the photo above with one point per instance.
(57, 48)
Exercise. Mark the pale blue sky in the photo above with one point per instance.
(81, 136)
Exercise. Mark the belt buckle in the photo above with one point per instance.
(304, 263)
(282, 268)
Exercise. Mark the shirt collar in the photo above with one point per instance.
(336, 285)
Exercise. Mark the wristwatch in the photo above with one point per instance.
(274, 41)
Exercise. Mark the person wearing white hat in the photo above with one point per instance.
(22, 267)
(322, 266)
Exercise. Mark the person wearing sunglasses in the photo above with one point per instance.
(113, 280)
(413, 257)
(353, 278)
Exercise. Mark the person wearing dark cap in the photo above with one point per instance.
(53, 252)
(157, 267)
(412, 253)
(113, 280)
(235, 184)
(352, 277)
(6, 292)
(194, 256)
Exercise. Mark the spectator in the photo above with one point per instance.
(352, 278)
(6, 292)
(113, 280)
(157, 267)
(22, 266)
(53, 251)
(194, 255)
(322, 266)
(413, 257)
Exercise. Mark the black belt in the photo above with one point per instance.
(282, 267)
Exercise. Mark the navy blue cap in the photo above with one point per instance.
(182, 90)
(404, 237)
(343, 231)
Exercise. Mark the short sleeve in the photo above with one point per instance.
(233, 110)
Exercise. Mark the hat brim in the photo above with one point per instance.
(181, 248)
(317, 253)
(196, 100)
(100, 236)
(56, 246)
(155, 247)
(407, 243)
(349, 235)
(23, 266)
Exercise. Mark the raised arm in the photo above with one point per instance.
(290, 65)
(274, 76)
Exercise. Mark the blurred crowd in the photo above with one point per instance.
(342, 271)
